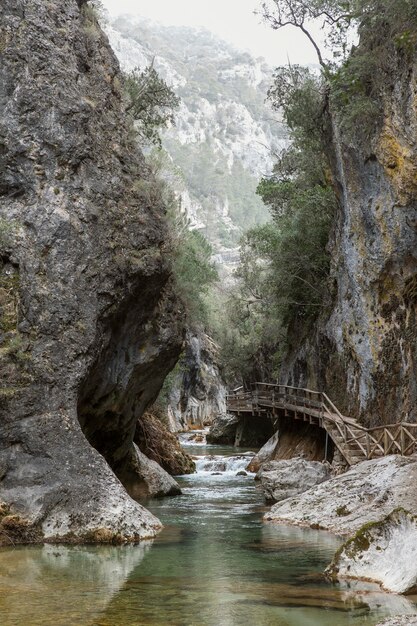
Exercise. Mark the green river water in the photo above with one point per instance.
(214, 564)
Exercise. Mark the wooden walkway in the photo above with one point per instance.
(355, 442)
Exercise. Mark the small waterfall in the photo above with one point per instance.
(226, 465)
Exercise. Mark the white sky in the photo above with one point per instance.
(233, 20)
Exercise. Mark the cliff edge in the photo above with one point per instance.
(89, 323)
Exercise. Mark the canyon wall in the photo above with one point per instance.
(363, 351)
(89, 322)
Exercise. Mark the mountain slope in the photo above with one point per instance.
(224, 133)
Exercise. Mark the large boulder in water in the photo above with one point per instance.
(365, 493)
(223, 430)
(266, 453)
(384, 552)
(284, 479)
(150, 480)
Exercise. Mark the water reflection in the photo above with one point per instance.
(215, 564)
(63, 585)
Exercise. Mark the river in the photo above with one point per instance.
(214, 564)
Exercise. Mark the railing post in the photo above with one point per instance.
(402, 439)
(368, 447)
(385, 441)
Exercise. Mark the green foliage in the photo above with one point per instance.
(152, 103)
(388, 33)
(209, 179)
(193, 271)
(284, 269)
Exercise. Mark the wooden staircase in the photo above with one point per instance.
(355, 442)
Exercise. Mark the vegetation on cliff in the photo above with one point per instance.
(286, 279)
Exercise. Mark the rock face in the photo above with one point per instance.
(223, 430)
(364, 354)
(223, 125)
(238, 431)
(89, 326)
(385, 552)
(366, 493)
(284, 479)
(199, 392)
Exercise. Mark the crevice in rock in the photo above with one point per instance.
(138, 351)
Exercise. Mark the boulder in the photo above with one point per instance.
(365, 493)
(93, 324)
(148, 479)
(266, 453)
(223, 430)
(284, 479)
(384, 552)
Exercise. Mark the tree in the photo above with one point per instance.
(336, 16)
(152, 103)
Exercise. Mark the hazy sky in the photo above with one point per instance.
(233, 20)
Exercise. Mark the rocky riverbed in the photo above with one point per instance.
(367, 492)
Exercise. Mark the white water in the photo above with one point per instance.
(224, 465)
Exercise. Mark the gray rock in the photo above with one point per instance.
(223, 430)
(366, 493)
(401, 620)
(198, 394)
(362, 354)
(266, 453)
(384, 552)
(150, 479)
(284, 479)
(93, 326)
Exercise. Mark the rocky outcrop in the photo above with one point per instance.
(265, 454)
(89, 323)
(239, 431)
(384, 552)
(223, 430)
(366, 493)
(198, 392)
(159, 444)
(150, 480)
(280, 480)
(364, 353)
(223, 125)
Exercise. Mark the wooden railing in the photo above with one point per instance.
(354, 440)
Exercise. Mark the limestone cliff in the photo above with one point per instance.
(364, 352)
(198, 393)
(89, 324)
